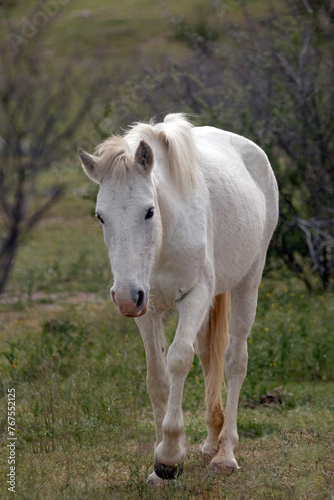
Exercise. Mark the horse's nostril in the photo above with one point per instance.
(140, 299)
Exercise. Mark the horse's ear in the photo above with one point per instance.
(144, 158)
(89, 164)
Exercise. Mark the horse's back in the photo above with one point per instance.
(231, 158)
(243, 200)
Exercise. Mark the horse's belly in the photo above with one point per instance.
(230, 271)
(239, 241)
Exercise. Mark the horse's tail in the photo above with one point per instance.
(219, 321)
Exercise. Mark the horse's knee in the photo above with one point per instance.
(179, 358)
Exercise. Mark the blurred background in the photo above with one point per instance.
(74, 73)
(71, 74)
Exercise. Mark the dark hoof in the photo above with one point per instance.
(168, 471)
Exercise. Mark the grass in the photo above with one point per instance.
(83, 417)
(119, 35)
(116, 33)
(84, 420)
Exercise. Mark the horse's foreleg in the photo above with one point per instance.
(170, 454)
(244, 301)
(152, 332)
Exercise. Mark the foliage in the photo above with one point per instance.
(270, 77)
(289, 107)
(39, 114)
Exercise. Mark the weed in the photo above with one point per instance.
(11, 353)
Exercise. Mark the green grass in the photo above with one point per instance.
(83, 417)
(119, 35)
(114, 33)
(84, 420)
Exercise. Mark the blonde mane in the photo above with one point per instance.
(175, 139)
(114, 156)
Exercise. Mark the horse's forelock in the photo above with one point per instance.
(114, 157)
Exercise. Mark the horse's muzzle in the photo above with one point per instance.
(131, 302)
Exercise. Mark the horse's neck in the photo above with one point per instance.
(183, 221)
(169, 207)
(183, 217)
(182, 254)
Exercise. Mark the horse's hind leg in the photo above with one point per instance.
(243, 304)
(214, 415)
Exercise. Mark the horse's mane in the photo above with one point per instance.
(114, 156)
(174, 137)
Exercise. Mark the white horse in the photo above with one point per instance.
(187, 214)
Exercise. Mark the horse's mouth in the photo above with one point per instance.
(135, 313)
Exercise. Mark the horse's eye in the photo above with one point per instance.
(149, 213)
(100, 218)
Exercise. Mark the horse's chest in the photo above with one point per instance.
(179, 269)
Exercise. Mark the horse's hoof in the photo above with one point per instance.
(224, 466)
(168, 471)
(208, 452)
(208, 456)
(153, 481)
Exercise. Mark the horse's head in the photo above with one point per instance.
(127, 208)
